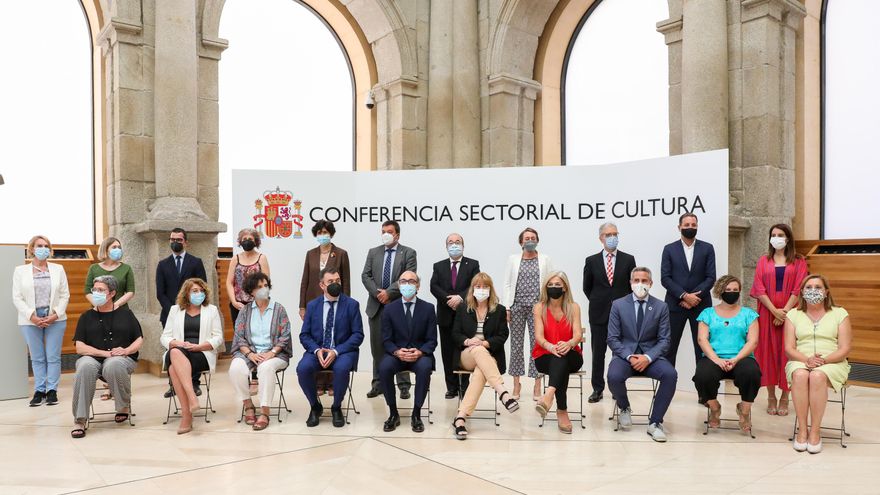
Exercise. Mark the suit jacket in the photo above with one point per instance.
(677, 279)
(441, 286)
(308, 288)
(495, 332)
(596, 287)
(396, 332)
(623, 339)
(404, 260)
(511, 274)
(23, 296)
(348, 327)
(210, 330)
(168, 281)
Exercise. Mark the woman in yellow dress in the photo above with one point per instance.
(817, 340)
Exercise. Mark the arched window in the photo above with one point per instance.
(286, 94)
(616, 103)
(851, 106)
(46, 156)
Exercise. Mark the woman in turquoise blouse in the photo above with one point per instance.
(728, 335)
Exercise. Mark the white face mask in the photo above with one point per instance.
(262, 293)
(778, 242)
(387, 239)
(640, 290)
(481, 294)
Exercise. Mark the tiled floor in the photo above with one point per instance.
(38, 456)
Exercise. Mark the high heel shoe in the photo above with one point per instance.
(814, 449)
(799, 446)
(517, 387)
(510, 404)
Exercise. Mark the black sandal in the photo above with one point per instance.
(120, 417)
(460, 431)
(78, 432)
(510, 404)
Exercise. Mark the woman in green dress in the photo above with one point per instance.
(817, 340)
(109, 256)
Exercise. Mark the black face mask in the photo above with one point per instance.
(248, 245)
(730, 297)
(177, 247)
(334, 290)
(555, 292)
(689, 233)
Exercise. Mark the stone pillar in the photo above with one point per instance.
(671, 30)
(510, 138)
(401, 139)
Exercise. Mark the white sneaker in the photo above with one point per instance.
(625, 418)
(655, 431)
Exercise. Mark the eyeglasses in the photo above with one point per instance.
(407, 281)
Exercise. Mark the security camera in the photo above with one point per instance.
(371, 102)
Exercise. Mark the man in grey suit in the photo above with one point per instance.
(638, 335)
(384, 265)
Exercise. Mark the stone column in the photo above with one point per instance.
(510, 138)
(401, 139)
(671, 30)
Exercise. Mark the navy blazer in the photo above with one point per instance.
(348, 327)
(677, 279)
(396, 333)
(168, 281)
(623, 339)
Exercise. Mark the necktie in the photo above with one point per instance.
(328, 327)
(386, 270)
(409, 313)
(609, 270)
(454, 273)
(178, 264)
(640, 320)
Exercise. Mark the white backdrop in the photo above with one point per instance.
(489, 207)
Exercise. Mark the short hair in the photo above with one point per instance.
(105, 247)
(178, 230)
(392, 223)
(34, 239)
(606, 224)
(455, 233)
(183, 293)
(325, 271)
(258, 239)
(324, 224)
(109, 281)
(722, 282)
(253, 280)
(641, 269)
(418, 279)
(686, 215)
(528, 229)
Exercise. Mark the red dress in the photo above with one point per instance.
(554, 331)
(770, 352)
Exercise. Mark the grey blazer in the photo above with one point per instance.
(404, 260)
(623, 338)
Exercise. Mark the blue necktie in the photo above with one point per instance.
(640, 320)
(386, 270)
(328, 328)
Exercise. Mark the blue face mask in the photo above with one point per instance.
(115, 254)
(408, 290)
(41, 253)
(323, 239)
(611, 242)
(99, 298)
(455, 250)
(196, 298)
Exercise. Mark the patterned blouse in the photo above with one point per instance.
(241, 273)
(42, 289)
(528, 283)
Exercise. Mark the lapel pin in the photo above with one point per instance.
(650, 308)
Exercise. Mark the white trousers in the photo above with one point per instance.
(240, 376)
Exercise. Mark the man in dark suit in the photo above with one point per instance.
(331, 334)
(171, 273)
(687, 271)
(449, 284)
(638, 335)
(606, 278)
(409, 337)
(383, 267)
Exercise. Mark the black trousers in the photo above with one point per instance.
(746, 376)
(599, 344)
(557, 369)
(447, 353)
(677, 320)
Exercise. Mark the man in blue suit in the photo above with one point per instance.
(638, 335)
(331, 334)
(687, 271)
(409, 336)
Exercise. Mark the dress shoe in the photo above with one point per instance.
(315, 416)
(338, 418)
(418, 426)
(404, 394)
(814, 449)
(374, 392)
(198, 390)
(451, 394)
(392, 422)
(168, 393)
(595, 397)
(798, 446)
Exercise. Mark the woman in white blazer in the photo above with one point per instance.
(40, 295)
(193, 335)
(522, 287)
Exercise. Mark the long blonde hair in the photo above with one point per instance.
(567, 299)
(484, 279)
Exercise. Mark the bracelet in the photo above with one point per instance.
(249, 353)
